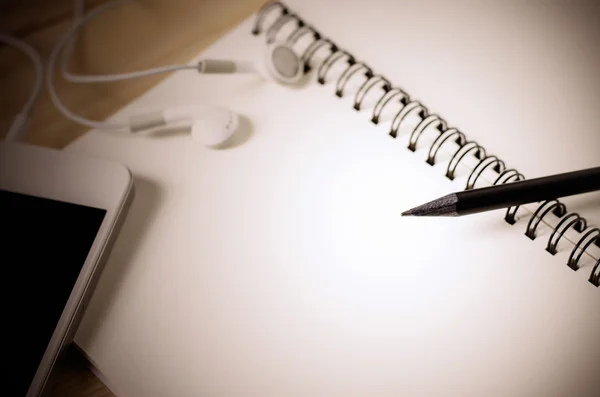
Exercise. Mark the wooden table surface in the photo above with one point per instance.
(137, 35)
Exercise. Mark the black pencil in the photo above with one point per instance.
(507, 195)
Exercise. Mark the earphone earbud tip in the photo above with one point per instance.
(213, 133)
(283, 64)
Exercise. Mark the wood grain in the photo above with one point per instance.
(138, 35)
(71, 377)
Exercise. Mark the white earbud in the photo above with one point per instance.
(211, 125)
(283, 63)
(280, 62)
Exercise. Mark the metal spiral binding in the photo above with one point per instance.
(347, 75)
(330, 60)
(555, 206)
(367, 86)
(507, 176)
(574, 220)
(280, 23)
(592, 236)
(404, 113)
(385, 99)
(471, 146)
(428, 121)
(301, 31)
(490, 161)
(447, 134)
(319, 42)
(450, 133)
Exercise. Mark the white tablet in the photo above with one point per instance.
(59, 215)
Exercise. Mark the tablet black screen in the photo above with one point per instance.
(44, 244)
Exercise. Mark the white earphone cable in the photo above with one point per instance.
(18, 126)
(56, 51)
(63, 49)
(104, 78)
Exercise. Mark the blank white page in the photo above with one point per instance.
(281, 266)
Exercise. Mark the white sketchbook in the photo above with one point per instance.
(281, 266)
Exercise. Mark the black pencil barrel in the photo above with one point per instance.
(528, 191)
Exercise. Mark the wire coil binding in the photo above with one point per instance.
(555, 206)
(446, 133)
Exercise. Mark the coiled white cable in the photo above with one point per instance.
(105, 78)
(51, 68)
(65, 45)
(19, 124)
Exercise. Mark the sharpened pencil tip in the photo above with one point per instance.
(444, 206)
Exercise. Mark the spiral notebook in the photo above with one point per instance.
(281, 266)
